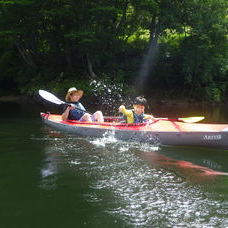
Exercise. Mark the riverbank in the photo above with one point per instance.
(15, 99)
(22, 99)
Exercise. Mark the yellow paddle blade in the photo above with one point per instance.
(193, 119)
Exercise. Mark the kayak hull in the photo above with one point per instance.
(162, 132)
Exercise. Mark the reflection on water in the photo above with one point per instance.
(49, 174)
(53, 157)
(192, 172)
(136, 184)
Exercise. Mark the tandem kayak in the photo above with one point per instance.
(161, 131)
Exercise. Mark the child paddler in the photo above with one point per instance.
(136, 115)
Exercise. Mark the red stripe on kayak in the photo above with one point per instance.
(176, 125)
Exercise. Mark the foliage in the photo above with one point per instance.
(55, 44)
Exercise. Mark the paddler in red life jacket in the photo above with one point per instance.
(137, 114)
(74, 110)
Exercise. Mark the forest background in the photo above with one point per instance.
(167, 48)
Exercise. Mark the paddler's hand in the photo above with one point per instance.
(66, 112)
(70, 107)
(121, 108)
(149, 117)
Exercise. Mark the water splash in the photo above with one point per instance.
(108, 138)
(110, 95)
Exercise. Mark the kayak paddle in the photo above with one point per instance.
(192, 119)
(50, 97)
(53, 99)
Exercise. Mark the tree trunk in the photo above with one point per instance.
(154, 30)
(26, 56)
(90, 68)
(150, 58)
(68, 55)
(123, 18)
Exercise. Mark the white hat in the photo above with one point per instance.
(73, 90)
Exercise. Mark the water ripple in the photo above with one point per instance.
(139, 193)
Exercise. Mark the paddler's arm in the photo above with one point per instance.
(127, 113)
(66, 112)
(149, 117)
(123, 110)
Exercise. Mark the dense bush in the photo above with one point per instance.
(166, 45)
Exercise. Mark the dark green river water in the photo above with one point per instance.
(48, 179)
